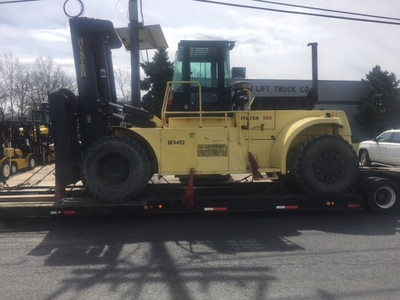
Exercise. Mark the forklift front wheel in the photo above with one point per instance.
(115, 169)
(5, 169)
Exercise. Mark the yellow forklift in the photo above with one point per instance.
(43, 144)
(16, 153)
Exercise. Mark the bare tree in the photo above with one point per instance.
(123, 85)
(23, 94)
(10, 70)
(47, 77)
(3, 100)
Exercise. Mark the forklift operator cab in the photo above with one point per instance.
(207, 63)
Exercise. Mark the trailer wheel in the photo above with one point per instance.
(115, 169)
(5, 169)
(14, 168)
(364, 158)
(381, 196)
(326, 166)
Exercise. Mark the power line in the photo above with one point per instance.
(328, 10)
(299, 13)
(17, 1)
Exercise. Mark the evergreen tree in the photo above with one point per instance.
(379, 109)
(158, 72)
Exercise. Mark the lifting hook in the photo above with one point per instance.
(81, 11)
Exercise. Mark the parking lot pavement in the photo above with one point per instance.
(39, 176)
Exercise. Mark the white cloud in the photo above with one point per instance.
(269, 44)
(51, 35)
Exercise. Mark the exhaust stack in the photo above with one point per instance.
(314, 61)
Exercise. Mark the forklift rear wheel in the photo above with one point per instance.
(31, 163)
(5, 169)
(47, 158)
(14, 168)
(326, 166)
(115, 169)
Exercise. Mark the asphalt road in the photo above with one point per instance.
(280, 255)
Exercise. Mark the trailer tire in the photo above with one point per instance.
(326, 166)
(381, 196)
(115, 169)
(5, 169)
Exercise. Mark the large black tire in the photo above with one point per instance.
(326, 166)
(381, 196)
(364, 159)
(115, 169)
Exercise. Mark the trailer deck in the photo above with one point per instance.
(33, 194)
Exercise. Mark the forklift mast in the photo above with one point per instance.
(92, 41)
(79, 121)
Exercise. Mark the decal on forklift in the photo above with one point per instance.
(82, 58)
(212, 150)
(256, 118)
(176, 142)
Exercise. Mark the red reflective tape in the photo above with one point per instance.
(220, 208)
(354, 206)
(68, 212)
(215, 208)
(292, 207)
(288, 207)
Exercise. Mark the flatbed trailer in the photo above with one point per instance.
(377, 191)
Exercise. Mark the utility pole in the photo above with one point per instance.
(134, 45)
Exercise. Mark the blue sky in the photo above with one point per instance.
(270, 45)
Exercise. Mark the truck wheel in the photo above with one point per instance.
(381, 196)
(326, 166)
(364, 158)
(115, 169)
(5, 169)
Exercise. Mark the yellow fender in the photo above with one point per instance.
(151, 145)
(283, 141)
